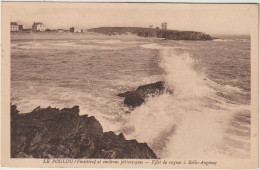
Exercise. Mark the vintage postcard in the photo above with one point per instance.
(129, 85)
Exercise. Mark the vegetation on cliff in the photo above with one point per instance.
(152, 32)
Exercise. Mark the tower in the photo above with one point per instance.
(164, 25)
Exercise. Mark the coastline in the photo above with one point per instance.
(153, 33)
(140, 32)
(54, 133)
(132, 98)
(46, 132)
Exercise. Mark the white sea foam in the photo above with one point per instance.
(190, 123)
(108, 41)
(222, 40)
(66, 45)
(153, 46)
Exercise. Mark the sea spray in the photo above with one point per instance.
(214, 102)
(181, 77)
(191, 123)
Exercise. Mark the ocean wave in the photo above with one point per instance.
(154, 46)
(197, 118)
(106, 41)
(221, 40)
(67, 45)
(160, 47)
(193, 121)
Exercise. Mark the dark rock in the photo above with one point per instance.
(137, 97)
(134, 100)
(53, 133)
(14, 112)
(117, 147)
(184, 35)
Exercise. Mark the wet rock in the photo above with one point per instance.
(53, 133)
(14, 112)
(117, 147)
(137, 97)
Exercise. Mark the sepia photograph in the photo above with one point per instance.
(156, 85)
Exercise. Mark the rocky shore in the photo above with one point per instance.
(54, 133)
(183, 35)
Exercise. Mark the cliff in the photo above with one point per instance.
(151, 32)
(55, 133)
(183, 35)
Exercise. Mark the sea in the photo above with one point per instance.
(208, 116)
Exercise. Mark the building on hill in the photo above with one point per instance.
(14, 27)
(164, 26)
(150, 26)
(20, 27)
(38, 26)
(74, 29)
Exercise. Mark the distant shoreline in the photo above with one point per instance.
(117, 32)
(137, 31)
(153, 33)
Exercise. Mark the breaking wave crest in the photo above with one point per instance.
(195, 121)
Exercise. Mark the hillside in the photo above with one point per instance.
(152, 32)
(117, 30)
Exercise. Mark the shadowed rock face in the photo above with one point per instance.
(137, 97)
(183, 35)
(54, 133)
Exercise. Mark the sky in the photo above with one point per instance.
(208, 18)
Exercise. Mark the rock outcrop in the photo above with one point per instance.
(153, 32)
(183, 35)
(137, 97)
(55, 133)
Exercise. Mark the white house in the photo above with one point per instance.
(14, 27)
(38, 26)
